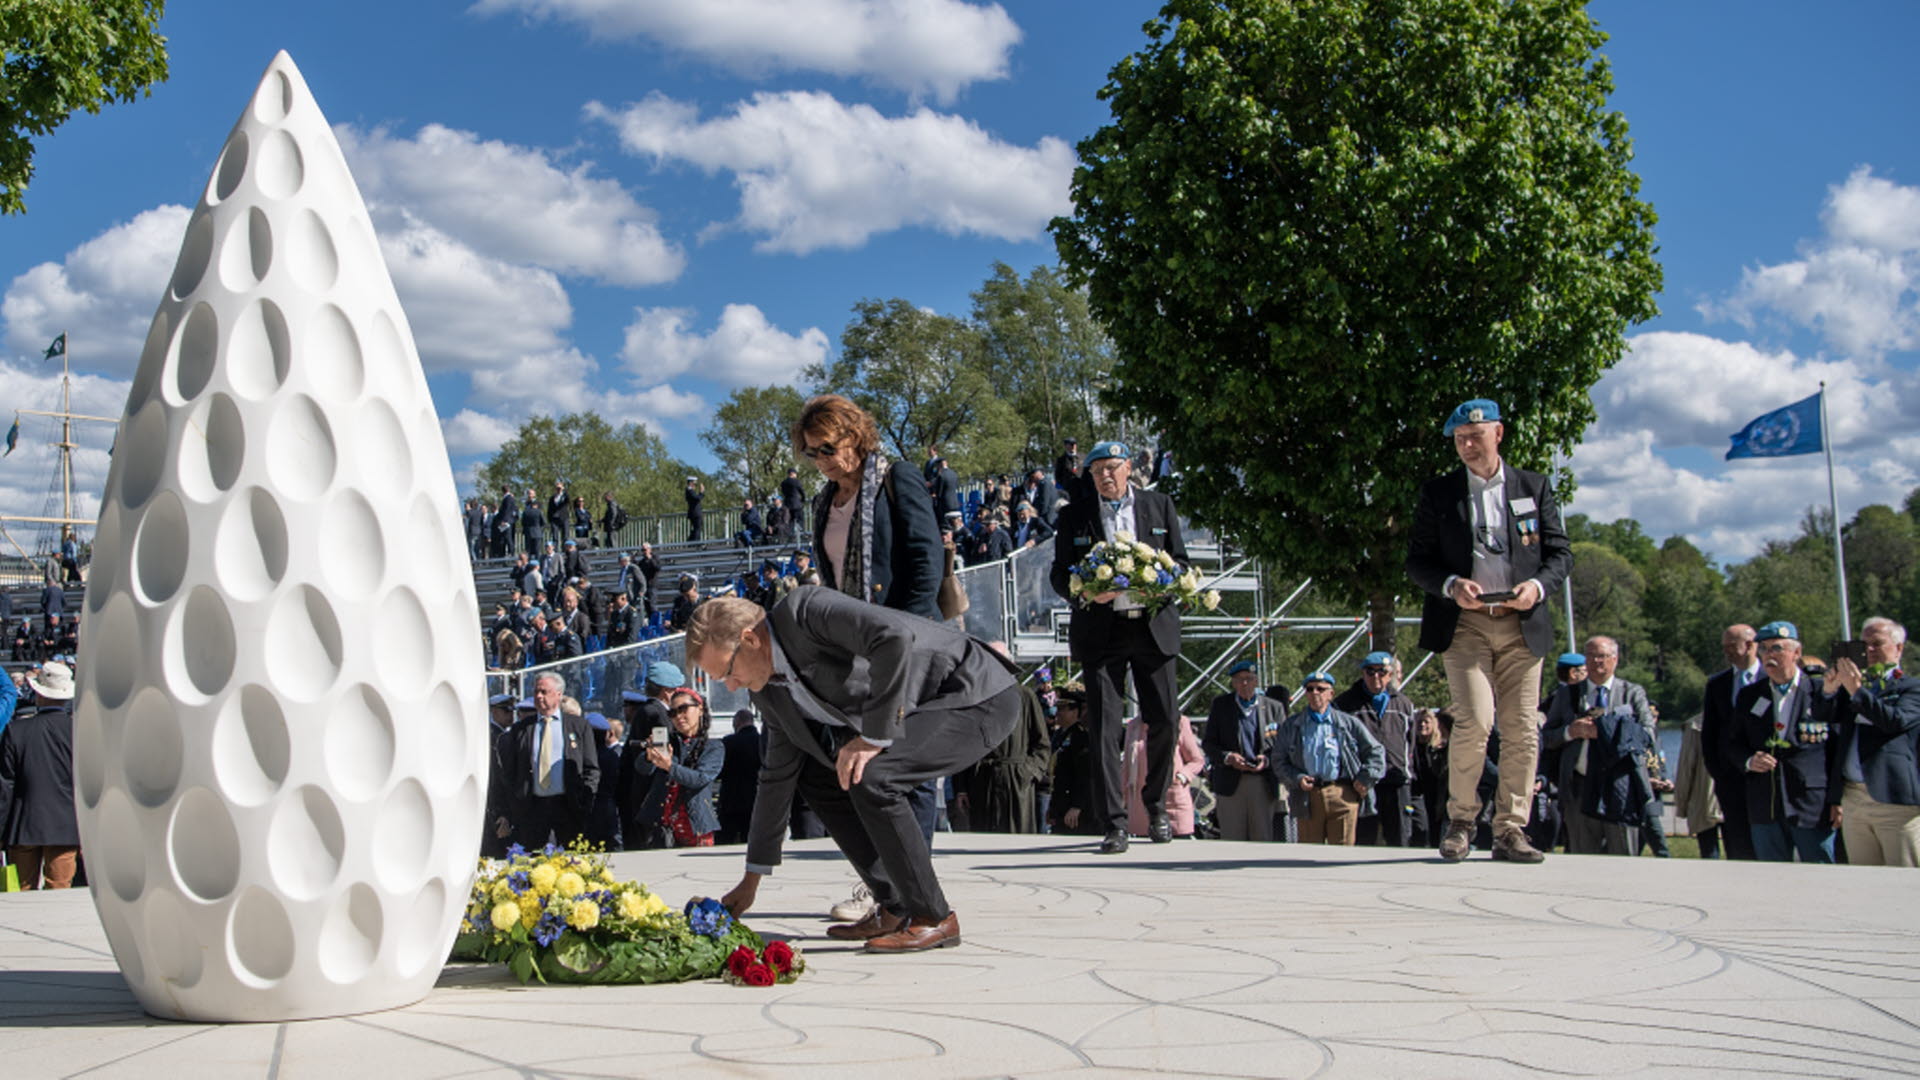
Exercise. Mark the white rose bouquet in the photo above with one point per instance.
(1150, 576)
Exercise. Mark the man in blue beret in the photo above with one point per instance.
(1112, 635)
(1781, 740)
(643, 712)
(1241, 726)
(1394, 816)
(1487, 548)
(1328, 762)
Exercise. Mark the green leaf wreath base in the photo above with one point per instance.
(597, 960)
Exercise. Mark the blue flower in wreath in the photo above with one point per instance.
(1120, 581)
(709, 916)
(1163, 578)
(547, 930)
(514, 851)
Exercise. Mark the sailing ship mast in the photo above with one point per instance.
(66, 447)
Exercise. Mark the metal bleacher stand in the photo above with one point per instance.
(1010, 600)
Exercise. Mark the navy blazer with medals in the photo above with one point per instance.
(1796, 790)
(1156, 524)
(1442, 547)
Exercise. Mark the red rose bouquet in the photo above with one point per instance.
(777, 962)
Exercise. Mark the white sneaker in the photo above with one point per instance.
(855, 907)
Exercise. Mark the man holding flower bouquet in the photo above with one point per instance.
(1780, 739)
(1118, 559)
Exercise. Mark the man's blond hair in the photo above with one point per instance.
(721, 620)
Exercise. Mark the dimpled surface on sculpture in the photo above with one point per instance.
(279, 737)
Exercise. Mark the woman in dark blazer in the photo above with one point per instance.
(678, 808)
(874, 534)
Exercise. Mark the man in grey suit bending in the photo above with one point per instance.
(861, 703)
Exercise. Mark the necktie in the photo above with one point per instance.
(543, 759)
(1600, 696)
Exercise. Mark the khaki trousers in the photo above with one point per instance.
(1333, 814)
(1877, 833)
(1493, 677)
(44, 867)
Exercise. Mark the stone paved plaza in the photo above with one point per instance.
(1194, 958)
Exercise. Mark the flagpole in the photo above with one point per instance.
(1833, 500)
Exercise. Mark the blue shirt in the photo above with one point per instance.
(1322, 747)
(1249, 727)
(9, 701)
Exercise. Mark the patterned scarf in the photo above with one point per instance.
(852, 578)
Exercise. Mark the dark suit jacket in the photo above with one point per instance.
(1223, 736)
(739, 775)
(1886, 725)
(1442, 547)
(1796, 790)
(36, 780)
(1716, 723)
(867, 666)
(581, 768)
(695, 780)
(903, 569)
(1092, 625)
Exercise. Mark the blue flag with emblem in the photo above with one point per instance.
(1784, 432)
(58, 348)
(13, 436)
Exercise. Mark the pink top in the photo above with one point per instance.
(834, 538)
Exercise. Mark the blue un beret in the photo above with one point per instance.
(1778, 631)
(1318, 676)
(1571, 659)
(1237, 668)
(1103, 451)
(663, 673)
(1377, 659)
(598, 722)
(1477, 411)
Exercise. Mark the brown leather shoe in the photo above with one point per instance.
(918, 936)
(878, 921)
(1515, 847)
(1458, 841)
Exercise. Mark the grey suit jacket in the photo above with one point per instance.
(1571, 704)
(868, 667)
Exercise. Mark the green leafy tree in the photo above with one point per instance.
(1624, 536)
(593, 457)
(923, 376)
(1045, 352)
(749, 435)
(1314, 226)
(63, 55)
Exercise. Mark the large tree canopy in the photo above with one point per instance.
(1315, 226)
(594, 457)
(923, 377)
(62, 55)
(749, 435)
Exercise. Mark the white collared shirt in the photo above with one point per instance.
(1115, 520)
(1487, 512)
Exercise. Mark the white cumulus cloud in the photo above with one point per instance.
(467, 310)
(744, 349)
(103, 293)
(1855, 285)
(513, 203)
(470, 432)
(814, 172)
(931, 47)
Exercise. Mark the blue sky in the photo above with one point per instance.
(636, 207)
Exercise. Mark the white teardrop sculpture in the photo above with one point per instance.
(279, 729)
